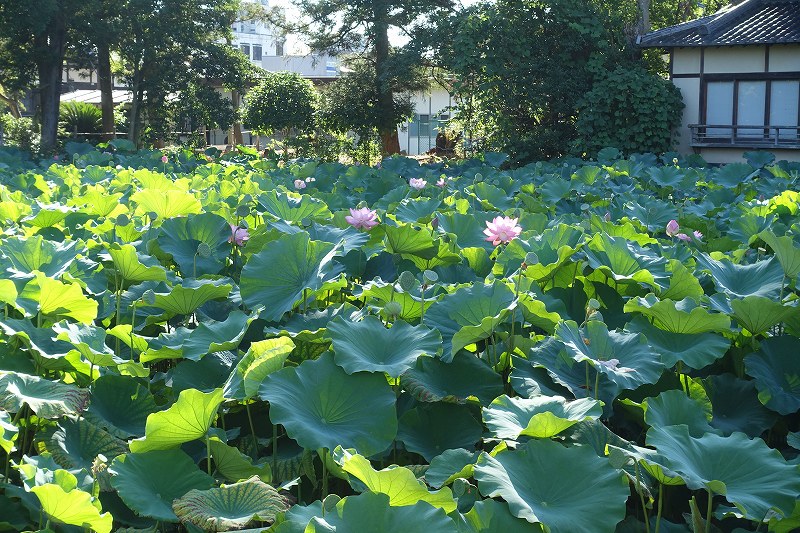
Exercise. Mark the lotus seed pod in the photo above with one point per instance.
(393, 308)
(593, 304)
(406, 281)
(531, 259)
(123, 220)
(429, 276)
(204, 250)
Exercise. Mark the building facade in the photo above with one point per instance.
(738, 71)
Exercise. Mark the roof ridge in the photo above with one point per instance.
(728, 14)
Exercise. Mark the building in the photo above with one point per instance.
(739, 73)
(432, 109)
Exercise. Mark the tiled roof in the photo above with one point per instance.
(747, 22)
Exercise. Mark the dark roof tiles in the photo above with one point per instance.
(748, 22)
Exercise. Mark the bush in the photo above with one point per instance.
(80, 117)
(630, 109)
(20, 132)
(282, 101)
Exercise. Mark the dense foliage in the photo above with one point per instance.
(226, 342)
(281, 101)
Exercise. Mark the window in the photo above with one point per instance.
(278, 48)
(256, 52)
(771, 106)
(245, 48)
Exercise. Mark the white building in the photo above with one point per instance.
(255, 39)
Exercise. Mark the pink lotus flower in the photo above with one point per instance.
(238, 235)
(441, 183)
(697, 235)
(672, 228)
(299, 184)
(164, 159)
(363, 218)
(683, 237)
(417, 183)
(502, 229)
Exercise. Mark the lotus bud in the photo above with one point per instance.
(531, 259)
(593, 304)
(393, 309)
(406, 281)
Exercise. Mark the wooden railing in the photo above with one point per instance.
(745, 136)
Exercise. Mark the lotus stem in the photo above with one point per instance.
(596, 382)
(274, 449)
(252, 430)
(641, 498)
(708, 510)
(660, 506)
(324, 473)
(208, 454)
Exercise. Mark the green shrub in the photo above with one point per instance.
(80, 117)
(630, 109)
(20, 132)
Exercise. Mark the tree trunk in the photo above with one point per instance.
(644, 16)
(49, 69)
(235, 135)
(136, 106)
(12, 104)
(387, 127)
(106, 90)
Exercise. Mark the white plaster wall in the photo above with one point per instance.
(686, 61)
(734, 155)
(690, 91)
(730, 59)
(431, 102)
(784, 58)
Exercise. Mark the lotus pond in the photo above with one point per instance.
(220, 343)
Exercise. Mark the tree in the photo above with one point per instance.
(281, 102)
(363, 26)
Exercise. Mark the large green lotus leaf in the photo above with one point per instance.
(277, 276)
(430, 429)
(732, 175)
(775, 368)
(785, 250)
(76, 443)
(694, 350)
(681, 284)
(491, 197)
(650, 460)
(293, 207)
(624, 358)
(230, 506)
(562, 488)
(788, 524)
(89, 341)
(466, 376)
(751, 476)
(42, 341)
(35, 253)
(757, 314)
(234, 466)
(48, 399)
(187, 419)
(186, 297)
(398, 483)
(553, 247)
(262, 359)
(121, 405)
(73, 508)
(541, 417)
(683, 317)
(166, 204)
(762, 278)
(623, 261)
(181, 237)
(407, 239)
(368, 346)
(60, 300)
(215, 337)
(449, 466)
(380, 293)
(8, 432)
(530, 381)
(674, 407)
(45, 216)
(470, 314)
(414, 209)
(133, 266)
(370, 512)
(321, 406)
(736, 406)
(466, 229)
(492, 516)
(149, 482)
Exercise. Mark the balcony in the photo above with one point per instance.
(744, 136)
